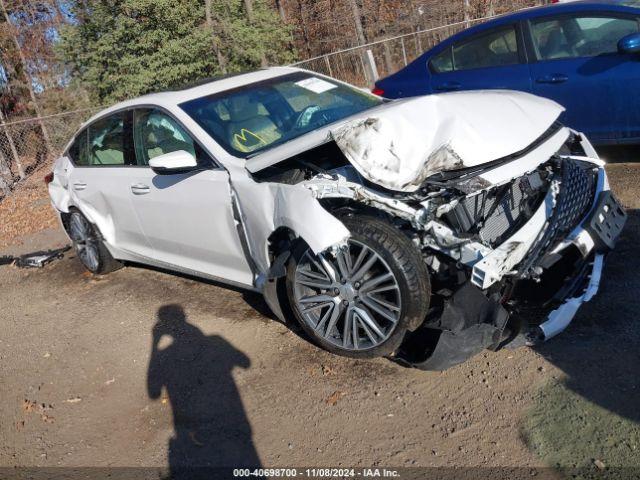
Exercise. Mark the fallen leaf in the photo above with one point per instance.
(327, 370)
(29, 406)
(334, 397)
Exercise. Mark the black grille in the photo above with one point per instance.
(575, 199)
(496, 214)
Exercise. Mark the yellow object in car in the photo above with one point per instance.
(247, 141)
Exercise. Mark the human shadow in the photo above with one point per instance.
(211, 429)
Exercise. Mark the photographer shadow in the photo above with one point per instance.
(211, 429)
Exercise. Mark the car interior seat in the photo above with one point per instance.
(159, 138)
(556, 46)
(248, 129)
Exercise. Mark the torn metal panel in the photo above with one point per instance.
(400, 146)
(339, 187)
(265, 207)
(560, 318)
(519, 166)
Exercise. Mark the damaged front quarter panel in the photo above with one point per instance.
(265, 207)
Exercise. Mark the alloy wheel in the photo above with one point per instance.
(84, 241)
(351, 299)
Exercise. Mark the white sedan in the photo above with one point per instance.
(427, 228)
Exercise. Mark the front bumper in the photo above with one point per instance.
(561, 317)
(595, 235)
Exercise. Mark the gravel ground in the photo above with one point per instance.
(145, 368)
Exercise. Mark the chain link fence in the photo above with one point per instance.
(27, 144)
(364, 64)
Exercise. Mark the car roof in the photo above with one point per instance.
(617, 6)
(172, 97)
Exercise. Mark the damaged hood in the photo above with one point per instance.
(403, 144)
(399, 144)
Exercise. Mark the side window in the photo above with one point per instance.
(106, 144)
(156, 133)
(78, 150)
(443, 62)
(573, 37)
(493, 49)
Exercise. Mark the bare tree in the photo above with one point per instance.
(12, 147)
(29, 83)
(214, 26)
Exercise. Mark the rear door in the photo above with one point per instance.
(187, 217)
(493, 59)
(577, 64)
(99, 181)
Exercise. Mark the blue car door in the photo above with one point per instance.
(492, 59)
(577, 64)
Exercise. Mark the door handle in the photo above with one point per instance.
(448, 87)
(554, 78)
(78, 186)
(140, 188)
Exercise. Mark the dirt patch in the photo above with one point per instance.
(27, 210)
(145, 368)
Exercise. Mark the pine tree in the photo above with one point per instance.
(124, 48)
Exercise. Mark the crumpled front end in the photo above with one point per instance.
(512, 213)
(514, 248)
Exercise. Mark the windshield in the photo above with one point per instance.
(261, 115)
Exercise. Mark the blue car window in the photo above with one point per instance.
(443, 62)
(584, 36)
(494, 49)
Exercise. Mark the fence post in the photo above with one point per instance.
(12, 146)
(326, 60)
(372, 69)
(404, 52)
(5, 173)
(467, 11)
(387, 58)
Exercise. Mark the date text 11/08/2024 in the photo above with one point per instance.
(317, 472)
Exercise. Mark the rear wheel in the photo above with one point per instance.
(89, 247)
(360, 301)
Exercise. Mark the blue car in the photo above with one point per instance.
(583, 55)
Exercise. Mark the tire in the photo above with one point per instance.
(89, 247)
(356, 314)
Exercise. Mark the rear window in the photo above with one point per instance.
(495, 48)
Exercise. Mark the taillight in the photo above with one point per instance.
(378, 91)
(48, 178)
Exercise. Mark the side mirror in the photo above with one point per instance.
(173, 162)
(629, 44)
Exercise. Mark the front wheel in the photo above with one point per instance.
(360, 301)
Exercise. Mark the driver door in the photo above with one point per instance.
(578, 65)
(187, 217)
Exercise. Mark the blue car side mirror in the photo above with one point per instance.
(629, 44)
